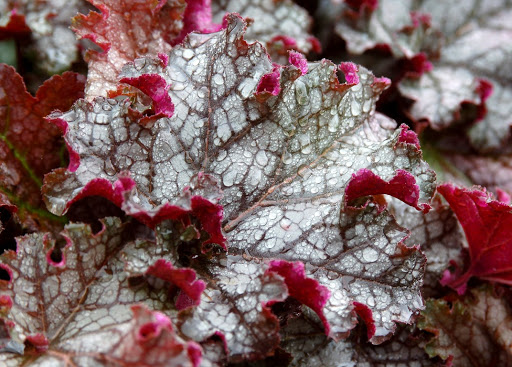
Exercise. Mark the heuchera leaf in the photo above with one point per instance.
(51, 41)
(12, 23)
(236, 302)
(286, 27)
(494, 172)
(197, 18)
(437, 233)
(30, 146)
(474, 66)
(303, 339)
(184, 279)
(283, 161)
(151, 341)
(487, 224)
(125, 30)
(473, 331)
(76, 304)
(398, 26)
(45, 292)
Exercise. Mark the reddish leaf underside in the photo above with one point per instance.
(487, 224)
(30, 147)
(306, 290)
(197, 18)
(15, 27)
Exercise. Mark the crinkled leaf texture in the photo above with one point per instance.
(475, 66)
(292, 150)
(31, 147)
(473, 331)
(286, 26)
(487, 224)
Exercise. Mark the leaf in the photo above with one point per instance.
(355, 266)
(47, 290)
(439, 236)
(487, 224)
(124, 31)
(30, 146)
(12, 23)
(197, 18)
(492, 172)
(151, 341)
(184, 279)
(474, 331)
(287, 26)
(303, 339)
(77, 303)
(283, 161)
(470, 69)
(399, 26)
(51, 41)
(236, 304)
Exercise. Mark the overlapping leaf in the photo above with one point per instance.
(467, 67)
(284, 157)
(45, 293)
(52, 42)
(125, 30)
(400, 26)
(286, 26)
(236, 291)
(487, 225)
(304, 340)
(474, 331)
(30, 146)
(150, 341)
(437, 233)
(477, 47)
(75, 304)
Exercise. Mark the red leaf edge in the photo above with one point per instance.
(156, 88)
(306, 290)
(183, 278)
(366, 315)
(299, 61)
(402, 186)
(197, 18)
